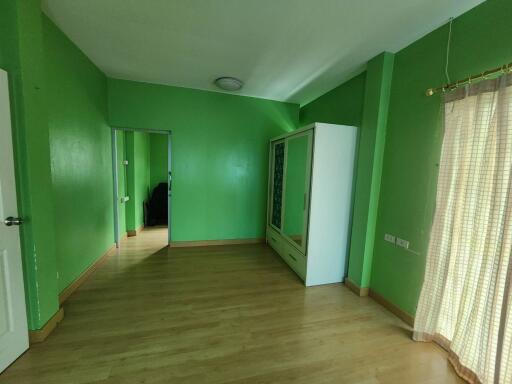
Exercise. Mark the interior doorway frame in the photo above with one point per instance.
(115, 177)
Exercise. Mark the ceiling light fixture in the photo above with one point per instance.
(229, 83)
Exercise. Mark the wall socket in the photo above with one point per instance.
(402, 243)
(389, 238)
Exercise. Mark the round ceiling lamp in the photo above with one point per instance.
(229, 83)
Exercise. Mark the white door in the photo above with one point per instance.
(13, 319)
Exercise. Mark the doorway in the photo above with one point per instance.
(13, 317)
(141, 166)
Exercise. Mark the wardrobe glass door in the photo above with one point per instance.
(278, 149)
(296, 190)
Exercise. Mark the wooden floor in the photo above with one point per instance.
(225, 314)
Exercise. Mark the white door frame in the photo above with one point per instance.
(115, 170)
(14, 339)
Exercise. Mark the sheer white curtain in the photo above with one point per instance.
(465, 303)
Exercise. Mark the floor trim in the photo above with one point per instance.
(134, 232)
(71, 288)
(406, 317)
(356, 288)
(401, 314)
(40, 335)
(207, 243)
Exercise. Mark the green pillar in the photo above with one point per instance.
(130, 180)
(372, 139)
(137, 176)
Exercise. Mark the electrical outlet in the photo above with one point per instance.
(402, 243)
(125, 162)
(389, 238)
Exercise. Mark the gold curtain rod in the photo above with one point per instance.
(468, 80)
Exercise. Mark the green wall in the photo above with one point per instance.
(157, 159)
(9, 52)
(414, 136)
(219, 153)
(137, 178)
(81, 157)
(341, 105)
(21, 54)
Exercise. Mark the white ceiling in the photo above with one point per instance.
(288, 50)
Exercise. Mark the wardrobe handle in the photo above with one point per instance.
(293, 257)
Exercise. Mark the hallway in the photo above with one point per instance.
(226, 314)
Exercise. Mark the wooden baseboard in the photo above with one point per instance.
(40, 335)
(134, 232)
(356, 288)
(406, 317)
(68, 291)
(208, 243)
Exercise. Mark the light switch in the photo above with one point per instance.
(402, 243)
(389, 238)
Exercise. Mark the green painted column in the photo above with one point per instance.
(130, 180)
(24, 61)
(121, 181)
(369, 167)
(137, 176)
(142, 175)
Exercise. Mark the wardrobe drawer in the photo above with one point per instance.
(295, 259)
(275, 240)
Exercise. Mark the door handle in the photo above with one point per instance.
(10, 221)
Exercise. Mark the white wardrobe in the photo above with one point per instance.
(310, 200)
